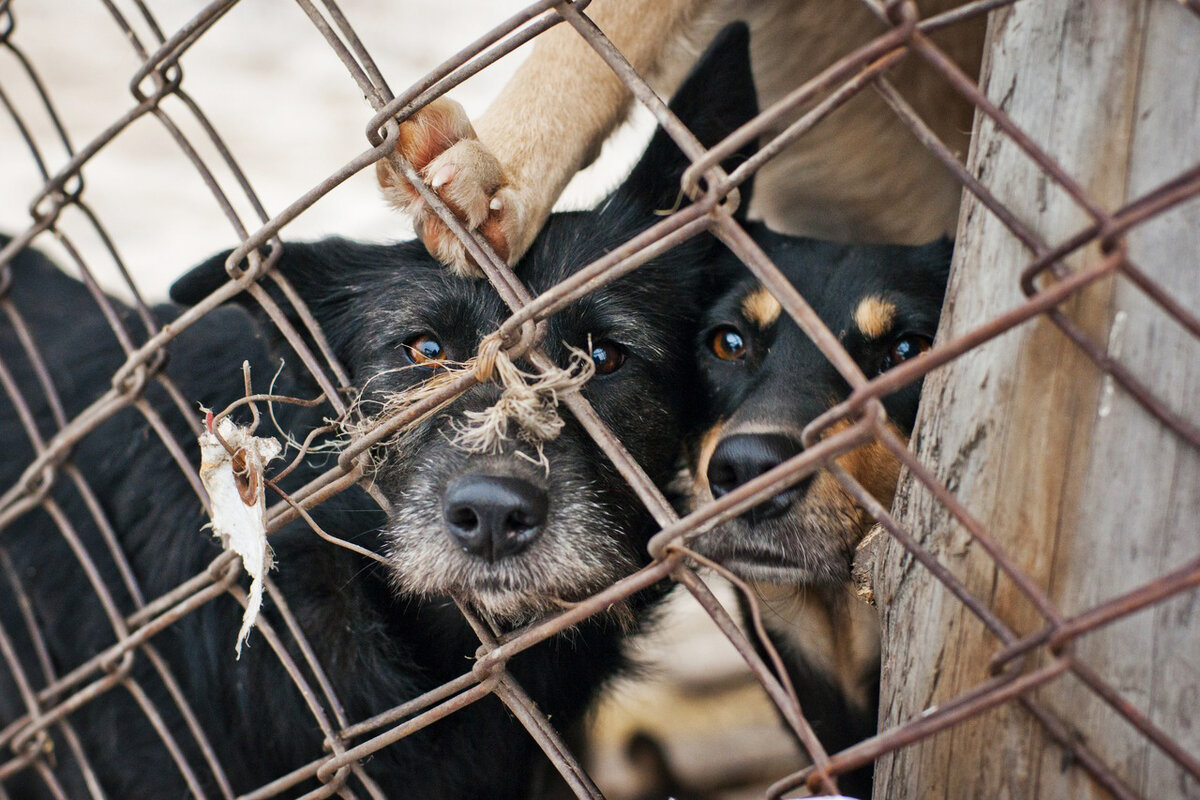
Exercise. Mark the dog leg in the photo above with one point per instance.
(442, 146)
(547, 123)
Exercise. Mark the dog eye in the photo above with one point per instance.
(424, 349)
(608, 356)
(905, 347)
(727, 343)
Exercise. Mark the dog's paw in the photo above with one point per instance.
(442, 146)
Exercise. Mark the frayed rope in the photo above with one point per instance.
(526, 410)
(529, 400)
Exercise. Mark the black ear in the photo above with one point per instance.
(304, 268)
(936, 257)
(308, 267)
(327, 276)
(322, 274)
(200, 281)
(40, 287)
(716, 98)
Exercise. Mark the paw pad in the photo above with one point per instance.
(442, 146)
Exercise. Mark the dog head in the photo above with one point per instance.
(535, 521)
(766, 380)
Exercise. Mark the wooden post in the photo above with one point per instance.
(1084, 489)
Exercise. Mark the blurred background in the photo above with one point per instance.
(273, 89)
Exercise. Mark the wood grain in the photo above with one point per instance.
(1087, 492)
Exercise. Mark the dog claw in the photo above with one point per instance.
(442, 146)
(443, 176)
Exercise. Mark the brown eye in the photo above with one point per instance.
(424, 349)
(608, 356)
(727, 343)
(905, 347)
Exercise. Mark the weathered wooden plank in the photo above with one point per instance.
(1086, 491)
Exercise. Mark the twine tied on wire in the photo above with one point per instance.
(526, 410)
(529, 400)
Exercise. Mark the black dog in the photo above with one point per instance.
(766, 381)
(496, 530)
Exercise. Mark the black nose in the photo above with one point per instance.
(742, 457)
(493, 517)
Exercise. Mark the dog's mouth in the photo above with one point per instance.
(760, 566)
(510, 553)
(807, 538)
(513, 589)
(755, 557)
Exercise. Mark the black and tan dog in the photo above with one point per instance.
(765, 381)
(498, 532)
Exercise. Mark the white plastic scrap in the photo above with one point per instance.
(234, 483)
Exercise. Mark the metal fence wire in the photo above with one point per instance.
(32, 740)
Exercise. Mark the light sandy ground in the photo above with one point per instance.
(291, 115)
(274, 90)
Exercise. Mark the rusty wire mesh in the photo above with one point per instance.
(50, 698)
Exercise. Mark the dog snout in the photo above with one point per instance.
(742, 457)
(494, 517)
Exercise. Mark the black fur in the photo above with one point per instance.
(766, 397)
(379, 646)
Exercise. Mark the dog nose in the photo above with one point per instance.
(742, 457)
(493, 517)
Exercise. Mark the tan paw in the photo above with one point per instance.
(442, 146)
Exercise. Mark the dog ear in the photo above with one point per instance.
(335, 278)
(327, 276)
(936, 257)
(307, 266)
(715, 99)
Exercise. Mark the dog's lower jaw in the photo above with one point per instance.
(812, 543)
(510, 607)
(801, 547)
(547, 578)
(826, 570)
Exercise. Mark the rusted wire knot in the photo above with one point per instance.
(131, 378)
(36, 745)
(530, 400)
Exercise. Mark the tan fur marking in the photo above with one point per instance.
(874, 316)
(875, 467)
(708, 444)
(761, 308)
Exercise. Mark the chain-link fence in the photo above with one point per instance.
(41, 737)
